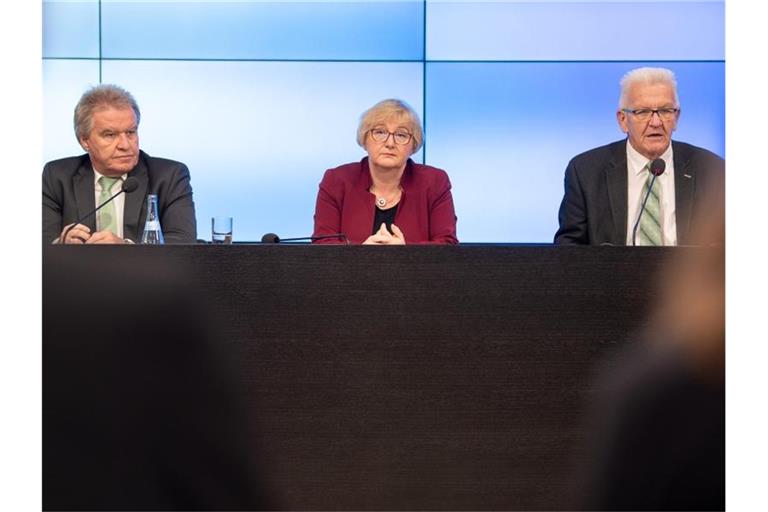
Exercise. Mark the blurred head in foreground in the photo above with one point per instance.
(659, 429)
(141, 405)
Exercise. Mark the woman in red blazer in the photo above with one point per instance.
(386, 198)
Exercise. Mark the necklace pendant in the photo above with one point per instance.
(381, 202)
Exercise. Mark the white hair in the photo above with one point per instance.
(98, 97)
(647, 76)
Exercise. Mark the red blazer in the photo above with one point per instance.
(425, 213)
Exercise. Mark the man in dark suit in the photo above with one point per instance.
(106, 125)
(605, 187)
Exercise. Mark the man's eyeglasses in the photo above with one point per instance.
(400, 137)
(644, 114)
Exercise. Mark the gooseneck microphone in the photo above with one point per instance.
(129, 185)
(657, 169)
(271, 238)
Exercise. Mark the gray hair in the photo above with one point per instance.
(386, 110)
(647, 76)
(98, 97)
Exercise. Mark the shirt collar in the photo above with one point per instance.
(637, 162)
(97, 176)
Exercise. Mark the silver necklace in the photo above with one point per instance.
(382, 201)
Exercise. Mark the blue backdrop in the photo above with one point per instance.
(259, 98)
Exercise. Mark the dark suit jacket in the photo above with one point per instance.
(425, 213)
(68, 195)
(594, 207)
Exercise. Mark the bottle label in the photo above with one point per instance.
(152, 225)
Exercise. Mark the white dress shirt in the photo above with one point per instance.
(119, 200)
(637, 175)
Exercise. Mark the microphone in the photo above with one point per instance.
(657, 169)
(129, 185)
(271, 238)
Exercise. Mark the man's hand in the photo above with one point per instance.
(105, 237)
(79, 234)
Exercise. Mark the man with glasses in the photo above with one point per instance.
(606, 187)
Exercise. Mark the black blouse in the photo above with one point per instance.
(386, 216)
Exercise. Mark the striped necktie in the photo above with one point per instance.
(649, 232)
(107, 216)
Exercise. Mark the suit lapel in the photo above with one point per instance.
(685, 178)
(616, 180)
(134, 202)
(85, 195)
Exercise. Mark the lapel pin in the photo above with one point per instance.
(687, 176)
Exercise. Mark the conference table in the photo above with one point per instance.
(415, 377)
